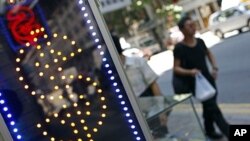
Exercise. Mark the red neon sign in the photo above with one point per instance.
(21, 21)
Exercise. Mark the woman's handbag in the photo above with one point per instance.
(203, 89)
(180, 85)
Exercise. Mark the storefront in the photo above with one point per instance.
(62, 80)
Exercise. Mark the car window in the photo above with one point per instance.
(228, 14)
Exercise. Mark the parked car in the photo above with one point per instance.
(234, 18)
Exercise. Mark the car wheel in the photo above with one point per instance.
(219, 34)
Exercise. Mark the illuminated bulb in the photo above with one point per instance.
(64, 58)
(59, 53)
(88, 79)
(79, 76)
(75, 105)
(94, 84)
(45, 133)
(73, 124)
(103, 98)
(38, 125)
(79, 50)
(71, 76)
(73, 42)
(79, 112)
(47, 120)
(87, 103)
(99, 91)
(91, 140)
(60, 97)
(55, 60)
(68, 115)
(65, 37)
(56, 87)
(21, 51)
(51, 98)
(55, 115)
(42, 29)
(81, 96)
(104, 107)
(27, 44)
(79, 139)
(72, 54)
(38, 47)
(63, 77)
(100, 122)
(26, 86)
(85, 128)
(35, 39)
(52, 139)
(95, 129)
(33, 93)
(42, 96)
(32, 32)
(82, 121)
(103, 115)
(55, 35)
(67, 87)
(48, 43)
(41, 54)
(59, 69)
(37, 64)
(37, 30)
(17, 69)
(89, 135)
(45, 36)
(88, 113)
(52, 51)
(46, 66)
(71, 96)
(52, 77)
(62, 121)
(41, 74)
(18, 60)
(21, 78)
(64, 106)
(75, 131)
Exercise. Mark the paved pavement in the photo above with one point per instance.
(232, 55)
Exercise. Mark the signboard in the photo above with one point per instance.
(112, 5)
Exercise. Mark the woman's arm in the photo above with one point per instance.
(181, 71)
(213, 63)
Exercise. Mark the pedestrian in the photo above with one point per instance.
(143, 81)
(190, 59)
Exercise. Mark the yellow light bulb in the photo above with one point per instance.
(79, 50)
(68, 115)
(59, 53)
(89, 135)
(100, 122)
(33, 93)
(82, 121)
(35, 39)
(59, 69)
(38, 125)
(62, 121)
(79, 139)
(103, 115)
(21, 78)
(64, 106)
(81, 96)
(67, 87)
(52, 139)
(27, 44)
(55, 60)
(95, 84)
(37, 30)
(26, 87)
(52, 51)
(88, 113)
(65, 37)
(60, 97)
(63, 77)
(95, 129)
(103, 98)
(104, 107)
(38, 47)
(55, 35)
(79, 112)
(75, 131)
(88, 79)
(41, 54)
(46, 66)
(75, 105)
(73, 42)
(48, 43)
(73, 124)
(37, 64)
(21, 51)
(42, 96)
(56, 87)
(71, 76)
(99, 91)
(32, 32)
(42, 29)
(55, 115)
(45, 36)
(87, 103)
(47, 120)
(18, 60)
(41, 74)
(52, 77)
(17, 69)
(71, 96)
(85, 128)
(79, 76)
(51, 98)
(45, 133)
(72, 54)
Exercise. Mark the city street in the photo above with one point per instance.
(232, 55)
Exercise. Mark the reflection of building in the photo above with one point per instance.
(199, 10)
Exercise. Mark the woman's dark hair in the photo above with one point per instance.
(182, 22)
